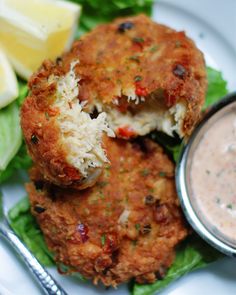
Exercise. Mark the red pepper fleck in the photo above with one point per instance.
(137, 46)
(72, 173)
(123, 108)
(125, 132)
(140, 91)
(83, 231)
(111, 243)
(162, 214)
(170, 100)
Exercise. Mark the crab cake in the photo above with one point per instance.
(144, 75)
(126, 226)
(129, 77)
(62, 138)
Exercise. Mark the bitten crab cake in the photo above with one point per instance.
(126, 226)
(144, 75)
(64, 141)
(127, 79)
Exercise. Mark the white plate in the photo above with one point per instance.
(212, 24)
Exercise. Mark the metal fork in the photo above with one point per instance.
(45, 280)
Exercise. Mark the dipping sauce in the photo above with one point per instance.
(213, 176)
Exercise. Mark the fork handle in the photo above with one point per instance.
(48, 284)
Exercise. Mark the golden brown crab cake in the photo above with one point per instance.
(141, 75)
(144, 75)
(62, 138)
(126, 226)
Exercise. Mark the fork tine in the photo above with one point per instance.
(1, 206)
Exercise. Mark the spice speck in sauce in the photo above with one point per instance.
(214, 191)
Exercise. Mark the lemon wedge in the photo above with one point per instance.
(8, 82)
(34, 30)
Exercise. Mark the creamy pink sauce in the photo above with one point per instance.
(213, 175)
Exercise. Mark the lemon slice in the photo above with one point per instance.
(33, 30)
(8, 82)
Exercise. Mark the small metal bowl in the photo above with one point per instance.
(189, 206)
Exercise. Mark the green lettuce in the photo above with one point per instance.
(21, 161)
(190, 255)
(95, 12)
(217, 87)
(25, 226)
(13, 154)
(10, 134)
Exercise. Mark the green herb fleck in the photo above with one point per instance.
(102, 183)
(145, 172)
(162, 174)
(47, 116)
(126, 199)
(154, 48)
(101, 196)
(218, 174)
(134, 58)
(137, 226)
(103, 239)
(137, 78)
(108, 205)
(178, 44)
(134, 243)
(138, 40)
(218, 200)
(229, 206)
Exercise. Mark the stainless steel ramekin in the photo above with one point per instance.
(189, 206)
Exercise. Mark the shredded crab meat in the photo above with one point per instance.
(148, 118)
(123, 219)
(81, 135)
(132, 96)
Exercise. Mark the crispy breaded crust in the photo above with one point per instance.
(41, 132)
(126, 226)
(153, 60)
(150, 58)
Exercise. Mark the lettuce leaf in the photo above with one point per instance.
(191, 255)
(217, 87)
(10, 134)
(13, 154)
(25, 226)
(97, 11)
(21, 161)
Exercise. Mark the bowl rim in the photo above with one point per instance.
(181, 183)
